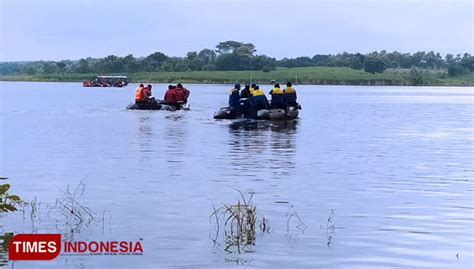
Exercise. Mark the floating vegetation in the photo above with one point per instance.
(294, 225)
(238, 223)
(291, 214)
(106, 219)
(8, 202)
(265, 225)
(31, 209)
(238, 261)
(330, 228)
(34, 205)
(70, 211)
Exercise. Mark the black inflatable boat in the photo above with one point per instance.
(274, 114)
(157, 105)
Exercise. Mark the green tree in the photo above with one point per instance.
(393, 59)
(468, 62)
(456, 70)
(209, 67)
(174, 64)
(416, 78)
(373, 65)
(110, 64)
(357, 61)
(233, 46)
(432, 60)
(234, 55)
(154, 61)
(459, 65)
(61, 66)
(320, 59)
(130, 64)
(206, 56)
(192, 61)
(405, 60)
(84, 66)
(233, 61)
(449, 59)
(49, 68)
(262, 62)
(417, 59)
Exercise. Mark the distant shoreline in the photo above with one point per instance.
(256, 82)
(301, 76)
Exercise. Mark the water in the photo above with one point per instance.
(395, 165)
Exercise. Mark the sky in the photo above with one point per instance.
(74, 29)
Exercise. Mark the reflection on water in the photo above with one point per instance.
(249, 124)
(143, 136)
(175, 141)
(257, 146)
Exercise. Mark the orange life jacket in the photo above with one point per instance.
(139, 94)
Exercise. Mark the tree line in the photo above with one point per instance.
(377, 62)
(234, 55)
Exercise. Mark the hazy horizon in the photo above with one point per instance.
(55, 30)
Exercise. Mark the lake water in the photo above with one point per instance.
(380, 177)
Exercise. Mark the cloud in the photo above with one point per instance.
(33, 30)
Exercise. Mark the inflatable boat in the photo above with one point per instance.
(274, 114)
(157, 105)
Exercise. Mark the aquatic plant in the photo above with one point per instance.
(71, 212)
(238, 222)
(290, 214)
(8, 202)
(265, 225)
(330, 228)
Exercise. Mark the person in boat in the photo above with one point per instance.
(148, 90)
(245, 93)
(140, 95)
(185, 91)
(259, 100)
(252, 88)
(234, 98)
(180, 95)
(278, 97)
(171, 96)
(245, 96)
(290, 95)
(148, 94)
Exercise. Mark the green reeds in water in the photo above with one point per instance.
(238, 223)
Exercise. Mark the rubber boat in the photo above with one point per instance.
(275, 114)
(157, 105)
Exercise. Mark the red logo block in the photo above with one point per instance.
(34, 246)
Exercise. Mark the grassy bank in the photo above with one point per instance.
(303, 75)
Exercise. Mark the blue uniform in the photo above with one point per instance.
(234, 99)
